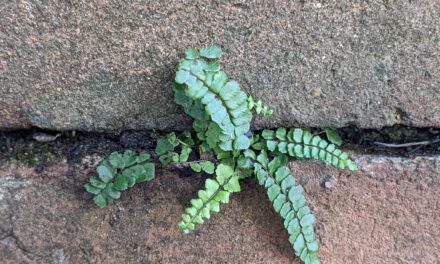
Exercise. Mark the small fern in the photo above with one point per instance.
(222, 115)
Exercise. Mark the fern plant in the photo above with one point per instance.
(222, 115)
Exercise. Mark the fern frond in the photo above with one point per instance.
(200, 76)
(217, 190)
(301, 143)
(288, 200)
(117, 173)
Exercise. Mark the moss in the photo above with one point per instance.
(31, 154)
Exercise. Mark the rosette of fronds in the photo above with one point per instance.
(226, 148)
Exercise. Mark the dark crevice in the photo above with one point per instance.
(21, 146)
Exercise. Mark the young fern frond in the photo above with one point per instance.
(258, 107)
(217, 190)
(301, 143)
(288, 200)
(201, 77)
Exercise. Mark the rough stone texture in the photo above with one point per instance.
(108, 64)
(388, 212)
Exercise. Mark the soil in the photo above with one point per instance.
(20, 145)
(387, 212)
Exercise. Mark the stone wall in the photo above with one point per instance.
(108, 65)
(387, 212)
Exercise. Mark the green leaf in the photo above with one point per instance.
(268, 134)
(191, 53)
(149, 173)
(220, 115)
(307, 137)
(233, 185)
(100, 201)
(181, 76)
(333, 136)
(116, 160)
(262, 158)
(244, 163)
(191, 211)
(273, 192)
(300, 243)
(282, 147)
(276, 163)
(120, 183)
(197, 203)
(129, 157)
(143, 157)
(186, 138)
(222, 196)
(279, 202)
(241, 142)
(281, 133)
(96, 182)
(211, 186)
(114, 194)
(307, 220)
(271, 145)
(281, 173)
(105, 173)
(223, 171)
(298, 149)
(218, 82)
(196, 167)
(297, 135)
(167, 158)
(163, 146)
(211, 52)
(184, 154)
(207, 166)
(131, 174)
(226, 145)
(91, 189)
(212, 67)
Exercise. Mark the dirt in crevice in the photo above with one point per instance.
(71, 148)
(21, 147)
(365, 139)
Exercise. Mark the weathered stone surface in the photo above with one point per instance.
(108, 64)
(387, 212)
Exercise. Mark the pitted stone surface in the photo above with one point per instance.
(379, 214)
(108, 64)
